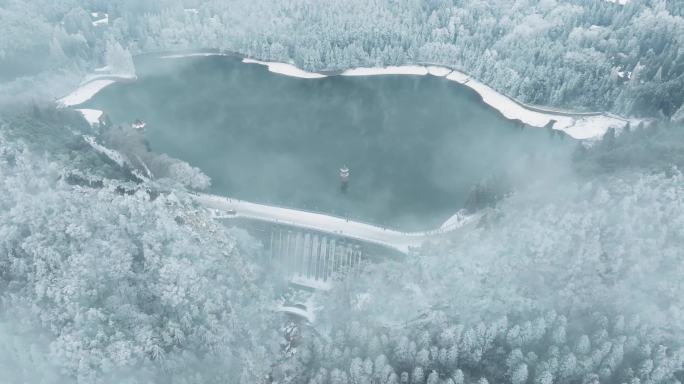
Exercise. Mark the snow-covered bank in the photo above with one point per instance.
(92, 116)
(579, 126)
(285, 69)
(91, 85)
(418, 70)
(438, 71)
(84, 93)
(194, 54)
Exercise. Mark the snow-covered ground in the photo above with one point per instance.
(595, 126)
(309, 316)
(391, 70)
(621, 2)
(438, 71)
(456, 221)
(120, 159)
(401, 241)
(309, 313)
(507, 106)
(84, 92)
(90, 86)
(105, 69)
(113, 155)
(92, 116)
(285, 69)
(193, 54)
(319, 285)
(104, 73)
(103, 20)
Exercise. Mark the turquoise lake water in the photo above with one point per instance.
(415, 145)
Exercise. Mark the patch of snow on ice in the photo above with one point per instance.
(285, 69)
(438, 71)
(92, 116)
(391, 70)
(84, 92)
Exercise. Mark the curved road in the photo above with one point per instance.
(401, 241)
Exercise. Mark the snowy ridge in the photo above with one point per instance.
(400, 241)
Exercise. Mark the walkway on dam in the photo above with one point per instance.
(401, 241)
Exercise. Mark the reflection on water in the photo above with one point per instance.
(414, 145)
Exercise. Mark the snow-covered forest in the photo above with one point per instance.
(110, 272)
(584, 54)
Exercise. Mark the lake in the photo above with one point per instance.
(415, 145)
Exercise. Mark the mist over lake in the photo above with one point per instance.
(416, 146)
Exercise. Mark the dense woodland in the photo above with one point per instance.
(110, 273)
(583, 54)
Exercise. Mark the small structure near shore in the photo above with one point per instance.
(344, 179)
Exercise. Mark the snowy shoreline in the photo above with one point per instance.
(581, 126)
(89, 88)
(84, 92)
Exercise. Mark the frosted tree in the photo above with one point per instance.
(189, 176)
(119, 59)
(519, 374)
(418, 375)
